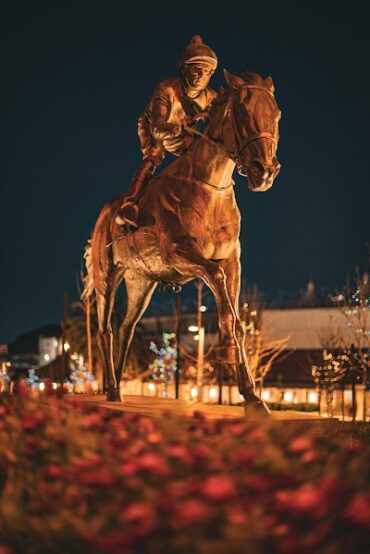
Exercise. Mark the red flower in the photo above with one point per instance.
(358, 510)
(245, 456)
(138, 511)
(89, 460)
(218, 488)
(191, 511)
(309, 456)
(34, 421)
(54, 471)
(299, 445)
(355, 445)
(257, 434)
(237, 516)
(91, 421)
(136, 447)
(258, 483)
(308, 499)
(179, 452)
(147, 425)
(235, 429)
(154, 438)
(129, 469)
(201, 453)
(152, 462)
(100, 478)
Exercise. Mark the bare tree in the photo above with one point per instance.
(262, 349)
(347, 346)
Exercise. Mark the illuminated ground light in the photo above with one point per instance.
(151, 387)
(42, 386)
(193, 392)
(288, 396)
(266, 395)
(312, 397)
(55, 386)
(212, 393)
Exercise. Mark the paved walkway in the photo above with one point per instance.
(157, 407)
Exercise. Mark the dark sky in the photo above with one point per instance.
(76, 75)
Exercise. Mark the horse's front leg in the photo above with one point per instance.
(231, 268)
(105, 296)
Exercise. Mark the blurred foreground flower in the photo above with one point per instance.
(76, 478)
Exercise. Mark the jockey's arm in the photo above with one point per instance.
(159, 124)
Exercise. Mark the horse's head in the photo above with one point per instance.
(253, 116)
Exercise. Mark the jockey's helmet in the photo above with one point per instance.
(198, 52)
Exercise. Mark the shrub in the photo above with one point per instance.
(78, 478)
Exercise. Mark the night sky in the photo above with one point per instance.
(76, 75)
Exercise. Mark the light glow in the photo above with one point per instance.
(312, 397)
(42, 386)
(151, 387)
(288, 396)
(193, 392)
(266, 395)
(212, 393)
(193, 328)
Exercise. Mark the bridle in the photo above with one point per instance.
(234, 153)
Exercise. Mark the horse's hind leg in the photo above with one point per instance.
(139, 293)
(105, 303)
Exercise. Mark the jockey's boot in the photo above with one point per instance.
(129, 211)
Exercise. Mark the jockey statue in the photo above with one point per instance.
(177, 102)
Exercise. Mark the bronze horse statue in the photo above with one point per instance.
(189, 227)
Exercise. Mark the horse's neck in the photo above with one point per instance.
(206, 159)
(209, 163)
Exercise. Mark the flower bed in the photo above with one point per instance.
(75, 478)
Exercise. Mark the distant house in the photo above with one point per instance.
(290, 379)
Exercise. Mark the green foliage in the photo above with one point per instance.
(77, 478)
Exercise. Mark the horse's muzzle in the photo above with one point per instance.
(261, 176)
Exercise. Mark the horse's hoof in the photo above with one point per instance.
(254, 406)
(113, 395)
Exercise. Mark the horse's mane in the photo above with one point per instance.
(250, 78)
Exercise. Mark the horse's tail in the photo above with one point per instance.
(88, 281)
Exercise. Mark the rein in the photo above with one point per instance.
(234, 156)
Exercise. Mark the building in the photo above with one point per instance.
(307, 332)
(49, 349)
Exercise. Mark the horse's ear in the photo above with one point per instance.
(233, 80)
(269, 83)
